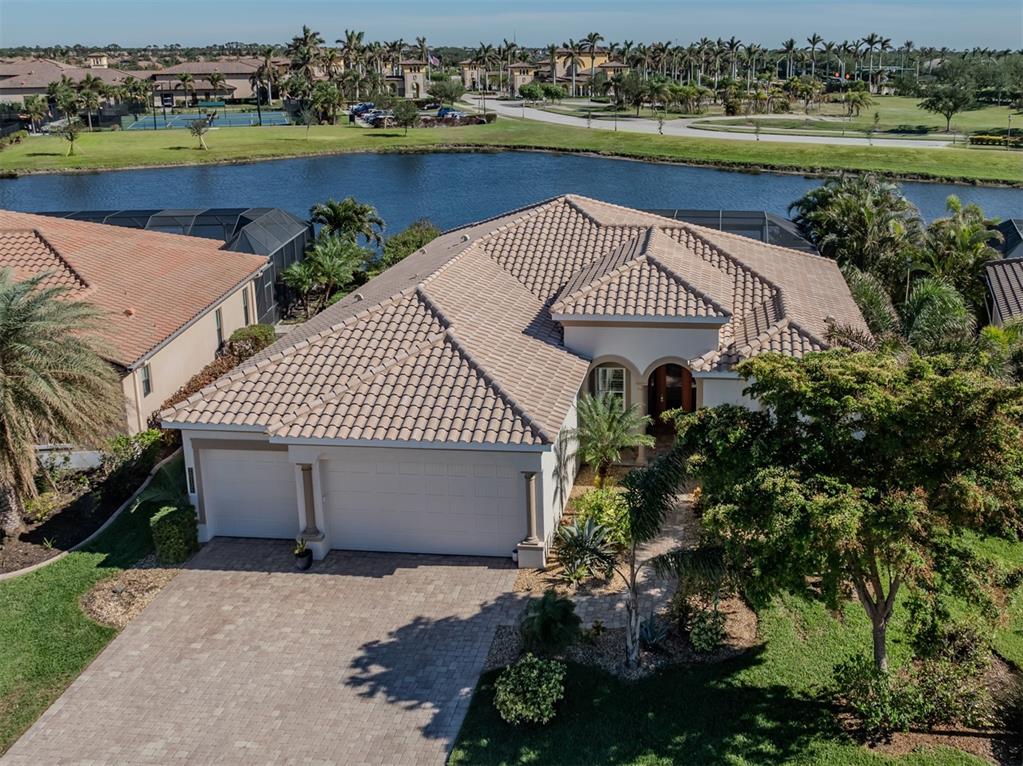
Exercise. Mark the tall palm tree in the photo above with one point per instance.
(813, 41)
(268, 71)
(572, 55)
(423, 49)
(304, 50)
(732, 45)
(217, 82)
(352, 48)
(54, 386)
(509, 48)
(789, 49)
(591, 41)
(552, 59)
(187, 81)
(484, 58)
(256, 83)
(349, 218)
(606, 427)
(37, 109)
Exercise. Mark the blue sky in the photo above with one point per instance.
(955, 23)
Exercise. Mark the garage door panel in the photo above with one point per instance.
(249, 493)
(425, 503)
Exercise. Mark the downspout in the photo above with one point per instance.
(138, 399)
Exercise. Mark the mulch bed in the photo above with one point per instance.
(118, 600)
(78, 519)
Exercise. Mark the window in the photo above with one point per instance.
(220, 327)
(245, 304)
(191, 480)
(610, 381)
(147, 381)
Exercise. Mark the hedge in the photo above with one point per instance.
(985, 140)
(175, 534)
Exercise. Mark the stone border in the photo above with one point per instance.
(94, 535)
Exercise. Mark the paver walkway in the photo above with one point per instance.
(370, 658)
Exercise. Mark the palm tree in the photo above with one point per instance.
(334, 260)
(304, 50)
(37, 110)
(256, 83)
(54, 386)
(268, 72)
(552, 59)
(423, 50)
(572, 55)
(813, 41)
(591, 41)
(605, 429)
(484, 59)
(187, 82)
(299, 278)
(351, 48)
(349, 218)
(90, 89)
(217, 82)
(1000, 350)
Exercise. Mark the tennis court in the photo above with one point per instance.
(222, 120)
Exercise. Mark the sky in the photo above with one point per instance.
(953, 23)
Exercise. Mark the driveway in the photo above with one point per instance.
(369, 658)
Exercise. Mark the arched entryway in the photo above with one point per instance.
(669, 387)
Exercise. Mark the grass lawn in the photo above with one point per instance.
(45, 639)
(769, 706)
(176, 147)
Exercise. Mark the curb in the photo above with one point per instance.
(127, 503)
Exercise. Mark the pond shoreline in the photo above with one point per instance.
(482, 148)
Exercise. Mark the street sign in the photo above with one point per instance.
(166, 99)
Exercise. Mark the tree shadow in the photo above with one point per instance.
(432, 665)
(702, 714)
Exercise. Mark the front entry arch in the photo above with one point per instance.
(669, 387)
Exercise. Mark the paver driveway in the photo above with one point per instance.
(368, 658)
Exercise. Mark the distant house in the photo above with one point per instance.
(236, 85)
(30, 77)
(432, 411)
(1004, 277)
(170, 301)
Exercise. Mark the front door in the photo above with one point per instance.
(670, 388)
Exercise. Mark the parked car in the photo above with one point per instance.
(446, 112)
(359, 109)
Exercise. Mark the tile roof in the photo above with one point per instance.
(1005, 284)
(148, 283)
(458, 344)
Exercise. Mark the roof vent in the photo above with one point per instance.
(129, 312)
(358, 297)
(465, 238)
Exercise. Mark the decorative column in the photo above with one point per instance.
(311, 532)
(531, 550)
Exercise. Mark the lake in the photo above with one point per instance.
(449, 189)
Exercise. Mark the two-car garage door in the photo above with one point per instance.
(416, 501)
(424, 501)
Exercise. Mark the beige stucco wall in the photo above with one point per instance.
(710, 392)
(642, 346)
(183, 357)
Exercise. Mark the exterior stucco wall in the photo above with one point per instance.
(641, 345)
(173, 364)
(557, 475)
(710, 392)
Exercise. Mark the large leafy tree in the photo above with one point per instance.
(605, 428)
(349, 218)
(862, 221)
(858, 476)
(950, 99)
(54, 387)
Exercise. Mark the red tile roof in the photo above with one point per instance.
(150, 284)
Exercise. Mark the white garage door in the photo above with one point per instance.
(249, 493)
(424, 501)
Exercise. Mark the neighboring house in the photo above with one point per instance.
(1004, 277)
(169, 301)
(277, 234)
(432, 410)
(31, 77)
(236, 74)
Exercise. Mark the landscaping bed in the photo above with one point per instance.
(119, 600)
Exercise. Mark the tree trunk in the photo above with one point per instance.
(632, 627)
(880, 646)
(11, 521)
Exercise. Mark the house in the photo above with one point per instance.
(237, 74)
(31, 77)
(432, 411)
(169, 301)
(1004, 277)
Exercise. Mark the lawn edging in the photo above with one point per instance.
(113, 517)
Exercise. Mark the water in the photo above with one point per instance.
(449, 189)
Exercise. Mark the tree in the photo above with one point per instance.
(299, 279)
(999, 351)
(446, 91)
(858, 477)
(327, 99)
(633, 90)
(531, 91)
(70, 131)
(406, 114)
(199, 128)
(606, 427)
(54, 387)
(256, 83)
(37, 110)
(572, 56)
(956, 248)
(418, 234)
(217, 82)
(862, 221)
(350, 218)
(590, 42)
(304, 51)
(187, 82)
(949, 100)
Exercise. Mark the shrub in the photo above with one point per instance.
(707, 630)
(583, 549)
(549, 624)
(652, 632)
(418, 234)
(527, 691)
(128, 461)
(41, 507)
(882, 702)
(607, 508)
(175, 533)
(251, 339)
(952, 693)
(490, 117)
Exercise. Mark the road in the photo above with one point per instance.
(683, 127)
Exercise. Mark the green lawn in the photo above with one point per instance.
(45, 639)
(177, 147)
(767, 707)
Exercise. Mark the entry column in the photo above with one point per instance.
(310, 531)
(531, 550)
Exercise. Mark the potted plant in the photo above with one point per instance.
(303, 554)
